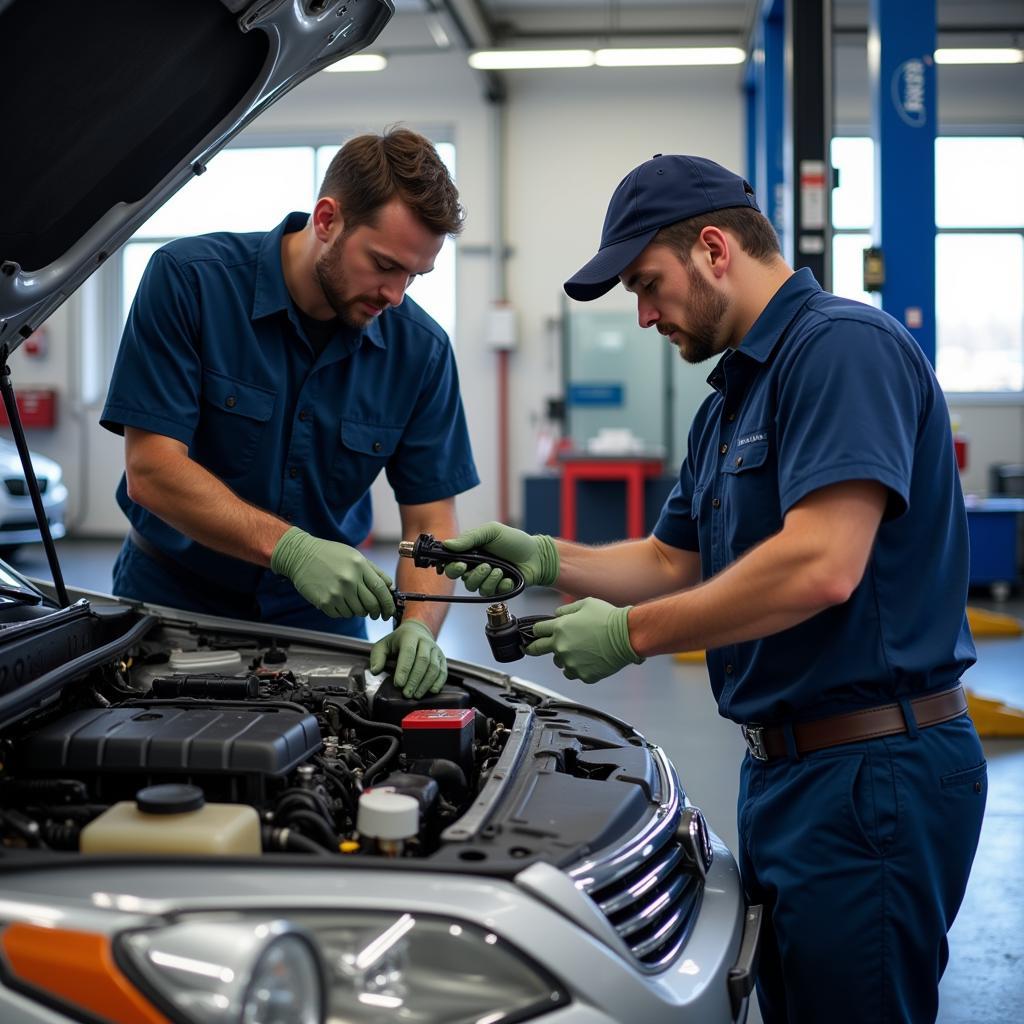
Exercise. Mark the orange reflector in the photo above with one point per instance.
(77, 968)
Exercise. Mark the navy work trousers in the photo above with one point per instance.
(141, 578)
(860, 855)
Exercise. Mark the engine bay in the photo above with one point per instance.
(323, 757)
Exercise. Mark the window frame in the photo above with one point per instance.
(984, 398)
(100, 309)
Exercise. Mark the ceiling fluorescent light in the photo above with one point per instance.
(655, 57)
(360, 62)
(991, 55)
(515, 60)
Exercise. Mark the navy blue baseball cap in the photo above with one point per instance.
(661, 191)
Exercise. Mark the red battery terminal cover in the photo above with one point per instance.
(439, 718)
(440, 733)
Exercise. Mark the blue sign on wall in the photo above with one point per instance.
(596, 394)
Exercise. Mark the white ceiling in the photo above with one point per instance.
(429, 25)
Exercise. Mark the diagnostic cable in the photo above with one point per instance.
(507, 634)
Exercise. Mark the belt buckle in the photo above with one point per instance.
(754, 735)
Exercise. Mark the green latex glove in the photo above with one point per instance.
(420, 665)
(334, 577)
(589, 639)
(535, 556)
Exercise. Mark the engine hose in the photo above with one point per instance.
(286, 839)
(307, 798)
(382, 762)
(366, 723)
(343, 787)
(316, 824)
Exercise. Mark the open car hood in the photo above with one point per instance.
(111, 106)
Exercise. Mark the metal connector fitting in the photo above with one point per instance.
(498, 615)
(406, 549)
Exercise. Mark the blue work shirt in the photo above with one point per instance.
(821, 390)
(214, 355)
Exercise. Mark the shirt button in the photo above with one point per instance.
(231, 401)
(723, 449)
(739, 461)
(717, 503)
(293, 472)
(731, 417)
(377, 446)
(729, 670)
(304, 415)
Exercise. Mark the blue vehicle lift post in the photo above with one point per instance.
(904, 122)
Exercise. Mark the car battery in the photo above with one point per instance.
(391, 706)
(445, 733)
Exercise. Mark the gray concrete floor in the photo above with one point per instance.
(670, 702)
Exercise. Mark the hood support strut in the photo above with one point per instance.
(11, 405)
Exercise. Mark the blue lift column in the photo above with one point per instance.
(904, 116)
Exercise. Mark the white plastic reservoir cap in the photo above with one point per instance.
(384, 814)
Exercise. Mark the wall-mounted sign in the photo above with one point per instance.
(596, 394)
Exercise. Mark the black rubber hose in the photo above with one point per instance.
(307, 798)
(298, 843)
(382, 762)
(317, 824)
(286, 839)
(366, 723)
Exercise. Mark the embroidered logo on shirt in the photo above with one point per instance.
(758, 435)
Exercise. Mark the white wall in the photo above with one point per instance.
(569, 138)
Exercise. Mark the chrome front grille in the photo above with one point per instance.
(650, 887)
(18, 488)
(653, 906)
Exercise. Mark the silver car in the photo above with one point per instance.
(17, 519)
(204, 820)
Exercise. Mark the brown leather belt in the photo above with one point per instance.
(766, 742)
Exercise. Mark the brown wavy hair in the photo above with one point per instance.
(370, 170)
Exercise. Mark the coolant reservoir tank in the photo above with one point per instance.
(173, 819)
(388, 817)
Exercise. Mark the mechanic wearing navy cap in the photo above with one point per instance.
(263, 382)
(816, 546)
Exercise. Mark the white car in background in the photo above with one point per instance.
(17, 518)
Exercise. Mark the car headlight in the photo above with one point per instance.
(378, 967)
(240, 972)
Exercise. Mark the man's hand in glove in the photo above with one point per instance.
(589, 639)
(420, 666)
(334, 577)
(535, 556)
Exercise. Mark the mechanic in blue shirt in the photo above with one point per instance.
(263, 382)
(816, 546)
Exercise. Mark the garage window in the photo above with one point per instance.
(979, 252)
(245, 188)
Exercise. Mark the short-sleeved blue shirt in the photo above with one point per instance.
(214, 355)
(822, 390)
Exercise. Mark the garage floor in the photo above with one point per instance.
(670, 702)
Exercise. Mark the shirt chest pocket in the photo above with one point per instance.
(363, 451)
(234, 420)
(750, 495)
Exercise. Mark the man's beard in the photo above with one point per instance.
(330, 275)
(707, 311)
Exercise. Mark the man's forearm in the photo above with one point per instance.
(626, 572)
(731, 607)
(195, 502)
(815, 562)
